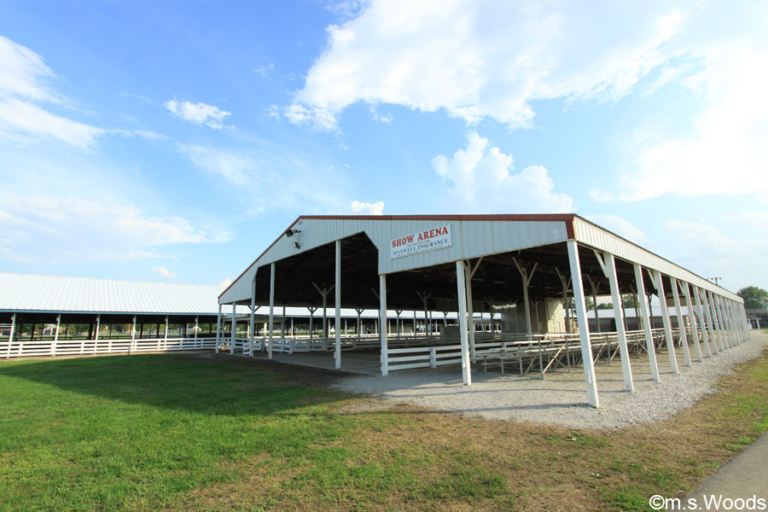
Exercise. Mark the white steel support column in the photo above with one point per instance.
(325, 319)
(133, 336)
(526, 282)
(218, 329)
(383, 319)
(581, 312)
(96, 337)
(641, 299)
(692, 319)
(271, 308)
(197, 328)
(609, 267)
(165, 334)
(710, 323)
(658, 283)
(680, 322)
(704, 328)
(56, 336)
(252, 319)
(736, 322)
(716, 321)
(10, 337)
(311, 325)
(721, 320)
(470, 310)
(728, 321)
(234, 328)
(742, 321)
(337, 348)
(466, 371)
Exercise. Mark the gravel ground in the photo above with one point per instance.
(561, 397)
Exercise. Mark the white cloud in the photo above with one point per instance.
(485, 58)
(24, 78)
(225, 282)
(376, 208)
(198, 113)
(479, 179)
(235, 168)
(619, 226)
(725, 151)
(163, 272)
(27, 118)
(272, 176)
(51, 229)
(264, 70)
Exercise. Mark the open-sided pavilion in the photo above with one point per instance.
(464, 264)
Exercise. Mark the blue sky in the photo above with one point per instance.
(175, 140)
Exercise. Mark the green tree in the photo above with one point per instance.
(754, 297)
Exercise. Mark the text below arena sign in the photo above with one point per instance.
(438, 237)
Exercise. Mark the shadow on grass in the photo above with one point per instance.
(214, 386)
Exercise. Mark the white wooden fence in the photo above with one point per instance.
(74, 347)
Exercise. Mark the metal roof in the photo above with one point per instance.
(43, 293)
(372, 240)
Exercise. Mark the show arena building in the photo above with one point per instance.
(458, 265)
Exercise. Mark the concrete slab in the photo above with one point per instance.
(365, 362)
(745, 477)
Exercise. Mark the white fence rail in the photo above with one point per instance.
(76, 347)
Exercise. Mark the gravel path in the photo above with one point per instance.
(561, 397)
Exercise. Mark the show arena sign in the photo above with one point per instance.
(423, 241)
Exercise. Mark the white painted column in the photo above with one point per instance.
(10, 338)
(743, 319)
(96, 336)
(165, 335)
(271, 308)
(659, 284)
(737, 321)
(704, 328)
(197, 328)
(325, 319)
(218, 329)
(470, 310)
(466, 371)
(710, 323)
(692, 319)
(618, 315)
(732, 334)
(55, 343)
(641, 299)
(234, 328)
(680, 322)
(311, 325)
(581, 311)
(383, 319)
(716, 321)
(729, 320)
(133, 336)
(716, 300)
(526, 282)
(337, 348)
(252, 320)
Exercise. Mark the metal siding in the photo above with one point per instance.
(469, 238)
(594, 236)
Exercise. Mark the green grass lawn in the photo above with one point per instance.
(186, 433)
